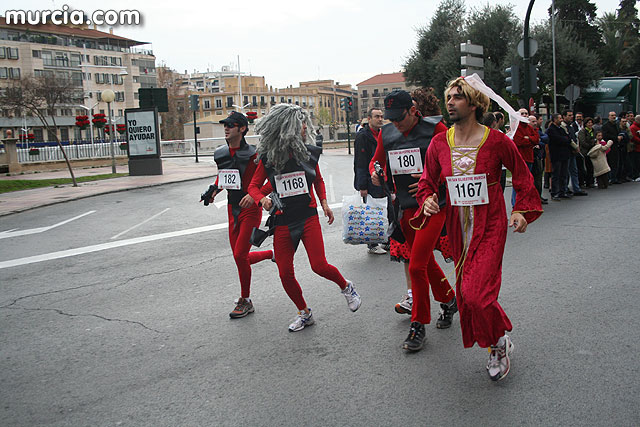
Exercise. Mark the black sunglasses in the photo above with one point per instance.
(230, 125)
(401, 118)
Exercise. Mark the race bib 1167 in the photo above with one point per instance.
(468, 190)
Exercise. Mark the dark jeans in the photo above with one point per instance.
(538, 171)
(589, 171)
(560, 177)
(635, 162)
(613, 159)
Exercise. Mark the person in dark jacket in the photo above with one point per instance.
(560, 152)
(611, 131)
(364, 149)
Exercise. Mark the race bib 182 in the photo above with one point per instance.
(468, 190)
(403, 162)
(291, 184)
(229, 179)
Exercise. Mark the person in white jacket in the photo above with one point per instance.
(598, 157)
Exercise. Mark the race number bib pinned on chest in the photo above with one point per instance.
(229, 179)
(291, 184)
(468, 190)
(404, 162)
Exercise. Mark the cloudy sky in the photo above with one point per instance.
(284, 40)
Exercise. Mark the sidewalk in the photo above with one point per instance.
(174, 170)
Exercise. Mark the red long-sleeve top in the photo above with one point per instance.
(248, 172)
(257, 190)
(526, 137)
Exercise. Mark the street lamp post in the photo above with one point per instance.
(108, 96)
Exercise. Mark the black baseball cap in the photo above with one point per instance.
(236, 118)
(395, 103)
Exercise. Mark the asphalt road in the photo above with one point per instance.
(120, 318)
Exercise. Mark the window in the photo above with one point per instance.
(120, 113)
(116, 79)
(365, 94)
(64, 134)
(14, 73)
(229, 101)
(218, 102)
(75, 60)
(3, 52)
(282, 99)
(119, 97)
(37, 135)
(35, 53)
(254, 101)
(246, 100)
(207, 104)
(4, 73)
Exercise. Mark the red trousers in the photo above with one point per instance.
(314, 245)
(423, 268)
(239, 238)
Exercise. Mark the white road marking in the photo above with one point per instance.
(138, 225)
(112, 245)
(16, 232)
(332, 194)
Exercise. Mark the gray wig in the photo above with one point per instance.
(281, 135)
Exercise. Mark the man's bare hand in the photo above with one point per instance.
(266, 203)
(375, 180)
(430, 205)
(246, 201)
(364, 193)
(327, 211)
(413, 188)
(517, 220)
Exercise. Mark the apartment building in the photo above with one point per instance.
(93, 59)
(372, 91)
(228, 90)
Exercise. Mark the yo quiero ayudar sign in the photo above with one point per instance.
(142, 132)
(143, 141)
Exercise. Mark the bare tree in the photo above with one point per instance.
(173, 121)
(40, 96)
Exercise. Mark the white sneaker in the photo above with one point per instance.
(499, 363)
(377, 250)
(301, 321)
(405, 306)
(353, 299)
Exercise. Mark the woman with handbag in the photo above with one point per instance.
(586, 141)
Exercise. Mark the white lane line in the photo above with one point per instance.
(112, 245)
(332, 194)
(138, 225)
(15, 232)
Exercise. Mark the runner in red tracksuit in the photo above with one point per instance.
(291, 168)
(236, 167)
(401, 150)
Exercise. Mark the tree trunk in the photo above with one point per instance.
(64, 154)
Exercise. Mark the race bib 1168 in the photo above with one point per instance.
(291, 184)
(468, 190)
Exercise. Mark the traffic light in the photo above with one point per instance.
(533, 79)
(513, 79)
(251, 116)
(194, 102)
(343, 104)
(349, 104)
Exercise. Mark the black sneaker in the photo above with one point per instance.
(446, 314)
(415, 340)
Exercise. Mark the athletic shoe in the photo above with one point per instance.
(446, 314)
(353, 299)
(404, 306)
(387, 246)
(499, 364)
(243, 307)
(377, 250)
(301, 321)
(415, 340)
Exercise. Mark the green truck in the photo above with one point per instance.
(610, 94)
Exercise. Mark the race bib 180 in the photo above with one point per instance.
(468, 190)
(403, 162)
(229, 179)
(291, 184)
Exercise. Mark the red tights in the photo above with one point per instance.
(314, 245)
(423, 268)
(240, 245)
